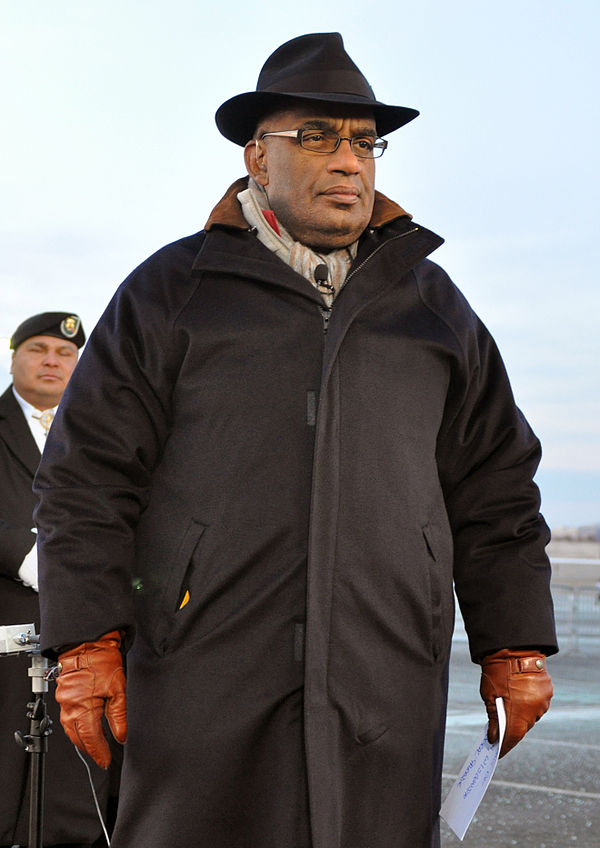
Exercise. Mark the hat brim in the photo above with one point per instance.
(238, 117)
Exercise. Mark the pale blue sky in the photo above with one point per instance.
(109, 150)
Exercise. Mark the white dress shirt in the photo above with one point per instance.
(28, 570)
(33, 417)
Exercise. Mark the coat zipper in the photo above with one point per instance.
(327, 310)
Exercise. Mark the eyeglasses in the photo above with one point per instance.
(327, 141)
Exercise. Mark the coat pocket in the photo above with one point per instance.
(179, 591)
(435, 589)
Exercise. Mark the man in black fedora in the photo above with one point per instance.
(312, 437)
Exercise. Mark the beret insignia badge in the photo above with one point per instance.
(69, 327)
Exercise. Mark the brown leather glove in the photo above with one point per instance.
(92, 683)
(521, 679)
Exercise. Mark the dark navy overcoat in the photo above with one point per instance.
(276, 515)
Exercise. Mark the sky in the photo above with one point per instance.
(109, 150)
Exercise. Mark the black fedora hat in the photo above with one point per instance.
(310, 67)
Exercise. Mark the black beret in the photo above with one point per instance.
(61, 325)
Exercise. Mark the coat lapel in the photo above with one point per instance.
(16, 434)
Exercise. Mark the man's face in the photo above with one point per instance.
(323, 200)
(41, 367)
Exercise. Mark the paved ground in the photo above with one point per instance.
(546, 792)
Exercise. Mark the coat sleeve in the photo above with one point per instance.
(107, 438)
(487, 458)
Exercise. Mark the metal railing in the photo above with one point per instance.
(577, 612)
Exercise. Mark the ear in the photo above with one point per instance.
(12, 363)
(255, 157)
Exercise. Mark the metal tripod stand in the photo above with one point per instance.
(22, 639)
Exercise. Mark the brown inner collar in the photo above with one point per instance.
(228, 211)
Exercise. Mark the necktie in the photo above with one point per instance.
(45, 420)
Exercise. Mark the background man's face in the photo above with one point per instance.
(41, 367)
(323, 200)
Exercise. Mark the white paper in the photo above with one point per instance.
(468, 790)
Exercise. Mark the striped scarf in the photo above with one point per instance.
(256, 211)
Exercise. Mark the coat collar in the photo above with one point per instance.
(228, 211)
(15, 432)
(228, 238)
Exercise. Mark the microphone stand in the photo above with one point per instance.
(36, 741)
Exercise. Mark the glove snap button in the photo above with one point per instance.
(539, 664)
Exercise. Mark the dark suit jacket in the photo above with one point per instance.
(19, 458)
(69, 810)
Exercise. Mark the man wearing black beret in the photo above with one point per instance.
(312, 438)
(45, 351)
